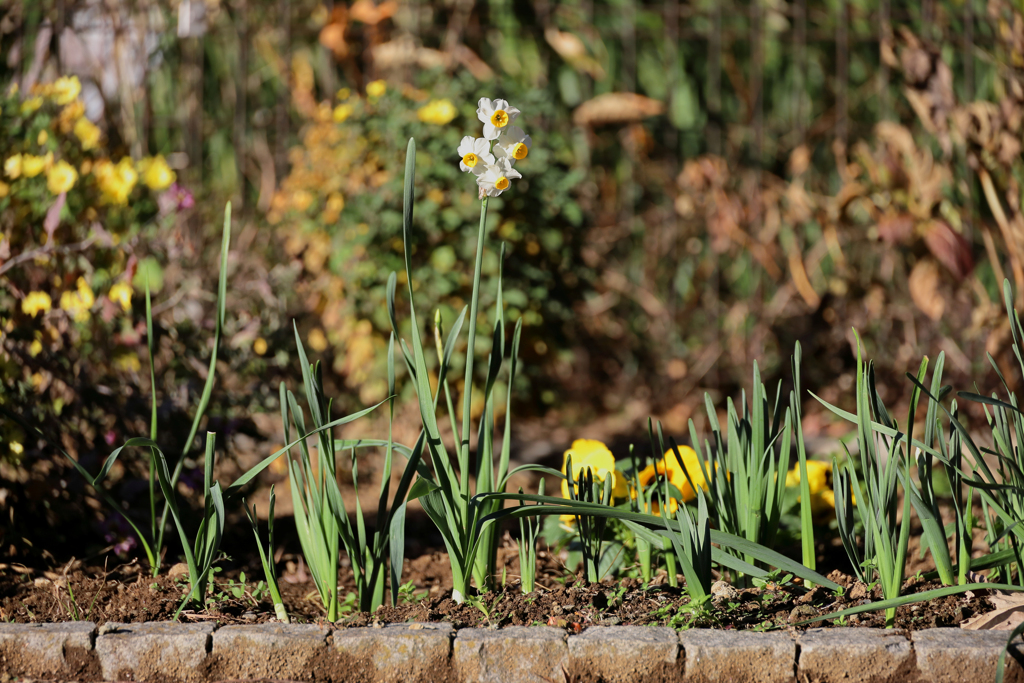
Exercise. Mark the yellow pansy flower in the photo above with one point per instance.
(87, 132)
(438, 112)
(121, 293)
(156, 174)
(35, 303)
(669, 465)
(61, 177)
(589, 454)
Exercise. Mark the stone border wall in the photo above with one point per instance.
(199, 653)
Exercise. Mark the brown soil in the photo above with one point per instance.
(129, 594)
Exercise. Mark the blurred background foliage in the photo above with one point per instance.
(710, 182)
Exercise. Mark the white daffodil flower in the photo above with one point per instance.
(476, 154)
(495, 116)
(497, 177)
(513, 143)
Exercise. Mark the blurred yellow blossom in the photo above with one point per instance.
(438, 112)
(156, 173)
(12, 166)
(35, 303)
(333, 207)
(78, 303)
(317, 340)
(127, 362)
(61, 177)
(16, 447)
(87, 132)
(5, 189)
(42, 138)
(31, 105)
(259, 346)
(121, 293)
(301, 199)
(66, 89)
(342, 112)
(70, 115)
(32, 165)
(375, 89)
(35, 348)
(343, 94)
(116, 181)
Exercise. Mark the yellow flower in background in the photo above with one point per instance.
(589, 454)
(31, 165)
(343, 94)
(438, 112)
(78, 303)
(127, 362)
(317, 340)
(819, 480)
(31, 105)
(259, 346)
(42, 138)
(12, 166)
(121, 293)
(156, 174)
(301, 199)
(333, 207)
(61, 177)
(342, 112)
(35, 303)
(376, 89)
(70, 115)
(5, 189)
(116, 181)
(66, 89)
(16, 447)
(35, 348)
(87, 132)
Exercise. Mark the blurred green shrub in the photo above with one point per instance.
(336, 213)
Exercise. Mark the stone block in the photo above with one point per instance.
(154, 650)
(955, 655)
(289, 651)
(56, 650)
(855, 655)
(714, 656)
(517, 654)
(399, 652)
(625, 653)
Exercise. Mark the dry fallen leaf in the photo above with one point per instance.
(1007, 615)
(924, 288)
(616, 107)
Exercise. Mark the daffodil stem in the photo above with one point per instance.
(467, 389)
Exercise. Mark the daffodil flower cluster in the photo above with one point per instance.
(492, 165)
